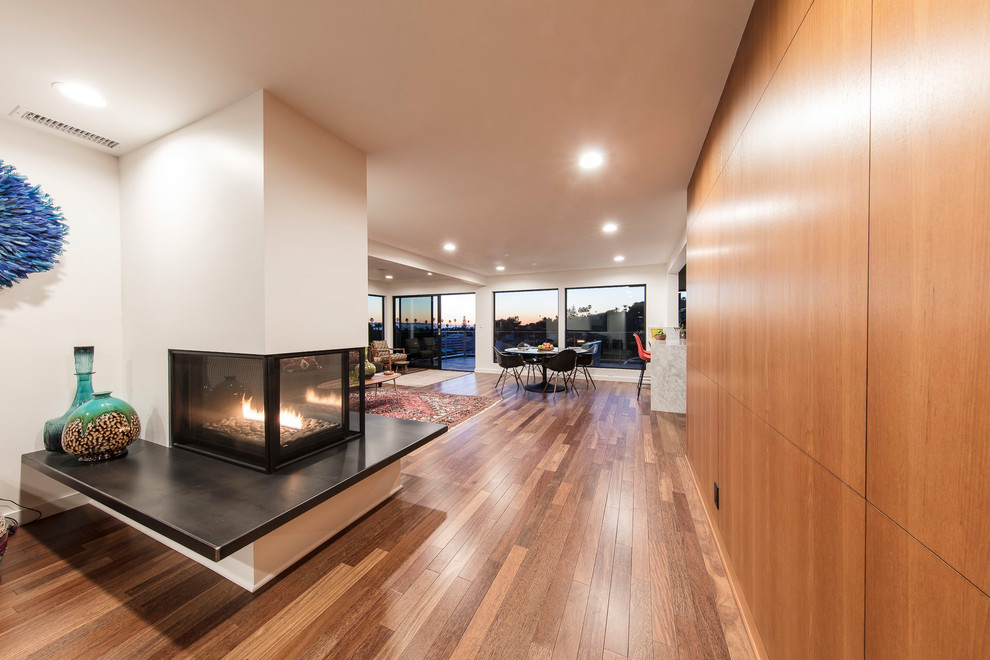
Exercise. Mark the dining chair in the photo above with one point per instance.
(562, 364)
(533, 362)
(510, 365)
(585, 360)
(645, 356)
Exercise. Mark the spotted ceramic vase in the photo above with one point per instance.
(3, 537)
(101, 429)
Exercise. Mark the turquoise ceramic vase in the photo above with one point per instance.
(101, 429)
(84, 392)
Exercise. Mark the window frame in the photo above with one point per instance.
(605, 286)
(384, 335)
(495, 319)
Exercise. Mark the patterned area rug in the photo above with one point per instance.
(426, 406)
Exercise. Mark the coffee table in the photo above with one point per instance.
(378, 380)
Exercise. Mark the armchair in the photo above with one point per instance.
(384, 357)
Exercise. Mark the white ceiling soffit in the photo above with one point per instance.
(405, 275)
(472, 113)
(411, 265)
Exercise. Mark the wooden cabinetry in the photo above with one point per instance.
(795, 535)
(839, 251)
(930, 277)
(916, 605)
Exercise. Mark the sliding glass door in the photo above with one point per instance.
(436, 331)
(376, 317)
(457, 331)
(416, 329)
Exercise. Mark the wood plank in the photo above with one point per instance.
(795, 534)
(929, 255)
(269, 639)
(702, 433)
(916, 605)
(572, 622)
(471, 641)
(768, 33)
(596, 613)
(620, 591)
(792, 307)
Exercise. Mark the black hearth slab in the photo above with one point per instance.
(215, 508)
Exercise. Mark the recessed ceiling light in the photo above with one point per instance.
(609, 227)
(619, 257)
(449, 247)
(81, 94)
(591, 159)
(388, 277)
(499, 267)
(430, 274)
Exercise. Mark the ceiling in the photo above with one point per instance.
(472, 113)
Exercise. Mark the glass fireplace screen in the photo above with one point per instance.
(263, 411)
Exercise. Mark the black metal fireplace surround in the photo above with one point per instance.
(264, 411)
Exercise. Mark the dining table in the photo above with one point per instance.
(544, 356)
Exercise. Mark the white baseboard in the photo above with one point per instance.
(26, 516)
(607, 375)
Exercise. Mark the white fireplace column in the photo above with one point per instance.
(244, 231)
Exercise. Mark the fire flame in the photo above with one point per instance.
(286, 416)
(332, 399)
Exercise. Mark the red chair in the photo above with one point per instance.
(645, 356)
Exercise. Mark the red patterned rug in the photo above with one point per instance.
(426, 405)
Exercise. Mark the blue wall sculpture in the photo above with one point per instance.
(32, 229)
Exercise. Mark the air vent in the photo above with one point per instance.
(61, 127)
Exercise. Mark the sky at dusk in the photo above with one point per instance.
(456, 307)
(375, 309)
(531, 306)
(605, 299)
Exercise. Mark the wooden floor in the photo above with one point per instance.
(540, 528)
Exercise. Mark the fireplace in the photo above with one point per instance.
(263, 411)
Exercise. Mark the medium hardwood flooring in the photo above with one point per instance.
(540, 528)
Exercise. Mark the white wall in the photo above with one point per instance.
(76, 304)
(192, 209)
(316, 235)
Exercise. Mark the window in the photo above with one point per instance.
(525, 316)
(376, 318)
(609, 315)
